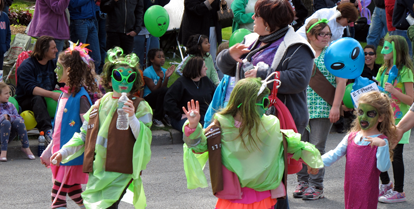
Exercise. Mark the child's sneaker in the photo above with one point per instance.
(384, 188)
(313, 193)
(300, 188)
(392, 197)
(157, 123)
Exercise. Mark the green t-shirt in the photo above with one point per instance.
(318, 107)
(405, 75)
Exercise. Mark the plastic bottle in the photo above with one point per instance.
(122, 122)
(247, 65)
(42, 144)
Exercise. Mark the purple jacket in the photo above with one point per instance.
(8, 109)
(50, 19)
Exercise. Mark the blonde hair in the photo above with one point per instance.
(2, 86)
(402, 53)
(382, 103)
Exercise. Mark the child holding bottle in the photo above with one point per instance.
(374, 124)
(73, 70)
(113, 158)
(396, 57)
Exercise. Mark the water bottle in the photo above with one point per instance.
(122, 122)
(42, 144)
(247, 65)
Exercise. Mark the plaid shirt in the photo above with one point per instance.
(318, 107)
(8, 109)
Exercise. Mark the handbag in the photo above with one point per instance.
(225, 17)
(322, 86)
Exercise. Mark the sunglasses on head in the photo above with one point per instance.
(369, 53)
(265, 103)
(119, 77)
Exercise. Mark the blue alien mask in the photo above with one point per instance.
(345, 58)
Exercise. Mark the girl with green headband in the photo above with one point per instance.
(251, 148)
(321, 113)
(396, 56)
(113, 158)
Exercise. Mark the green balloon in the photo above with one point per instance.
(51, 105)
(347, 96)
(238, 36)
(156, 20)
(14, 102)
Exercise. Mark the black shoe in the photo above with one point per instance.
(166, 121)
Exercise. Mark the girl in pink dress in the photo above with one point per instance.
(374, 125)
(72, 69)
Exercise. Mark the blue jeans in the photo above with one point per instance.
(403, 33)
(282, 203)
(378, 28)
(59, 45)
(101, 22)
(85, 31)
(141, 49)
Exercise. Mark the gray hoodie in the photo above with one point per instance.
(294, 60)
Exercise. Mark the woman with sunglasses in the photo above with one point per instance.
(194, 84)
(339, 17)
(370, 68)
(113, 158)
(321, 114)
(249, 145)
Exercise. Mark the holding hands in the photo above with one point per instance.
(193, 113)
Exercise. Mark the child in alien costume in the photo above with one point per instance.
(245, 147)
(113, 158)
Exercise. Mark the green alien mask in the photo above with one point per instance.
(123, 79)
(59, 71)
(367, 116)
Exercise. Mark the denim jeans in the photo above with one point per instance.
(85, 31)
(378, 28)
(141, 48)
(59, 45)
(319, 131)
(9, 130)
(100, 25)
(403, 33)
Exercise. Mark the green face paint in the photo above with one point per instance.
(123, 79)
(367, 116)
(262, 107)
(59, 71)
(387, 48)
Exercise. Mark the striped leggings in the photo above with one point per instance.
(74, 192)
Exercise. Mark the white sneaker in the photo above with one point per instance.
(157, 123)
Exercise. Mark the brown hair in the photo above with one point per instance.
(41, 47)
(382, 103)
(107, 73)
(316, 29)
(193, 67)
(403, 56)
(2, 5)
(222, 46)
(348, 11)
(275, 13)
(79, 72)
(2, 84)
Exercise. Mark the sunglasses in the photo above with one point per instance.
(119, 77)
(369, 53)
(265, 103)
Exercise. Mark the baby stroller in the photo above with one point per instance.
(14, 57)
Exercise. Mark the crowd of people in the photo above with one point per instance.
(227, 101)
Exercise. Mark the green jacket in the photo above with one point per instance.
(240, 16)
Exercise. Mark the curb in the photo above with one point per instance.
(159, 137)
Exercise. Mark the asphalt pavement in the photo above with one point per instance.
(26, 184)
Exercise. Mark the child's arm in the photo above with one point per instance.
(334, 155)
(14, 114)
(383, 153)
(406, 98)
(194, 135)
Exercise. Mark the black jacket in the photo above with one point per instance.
(124, 16)
(320, 4)
(198, 19)
(8, 2)
(401, 8)
(301, 13)
(379, 4)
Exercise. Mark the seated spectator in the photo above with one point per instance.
(11, 125)
(192, 85)
(339, 17)
(156, 80)
(198, 45)
(36, 80)
(370, 67)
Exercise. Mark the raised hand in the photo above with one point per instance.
(170, 71)
(193, 113)
(237, 51)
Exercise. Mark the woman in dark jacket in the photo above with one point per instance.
(200, 17)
